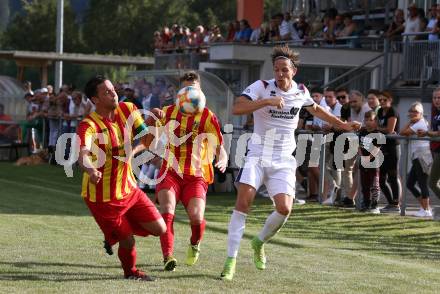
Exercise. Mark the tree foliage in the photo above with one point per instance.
(35, 28)
(117, 27)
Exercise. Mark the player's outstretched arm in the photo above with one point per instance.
(243, 105)
(321, 113)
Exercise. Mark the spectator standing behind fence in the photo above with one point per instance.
(397, 27)
(412, 23)
(434, 178)
(356, 112)
(369, 175)
(373, 99)
(53, 109)
(389, 170)
(421, 159)
(332, 173)
(432, 23)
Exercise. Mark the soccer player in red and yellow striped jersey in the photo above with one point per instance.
(188, 167)
(109, 188)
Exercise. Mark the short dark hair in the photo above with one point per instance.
(375, 92)
(316, 90)
(91, 88)
(330, 89)
(342, 89)
(285, 51)
(190, 76)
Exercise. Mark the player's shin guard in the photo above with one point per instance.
(128, 260)
(197, 232)
(235, 232)
(167, 238)
(273, 224)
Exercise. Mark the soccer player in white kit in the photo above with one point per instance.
(275, 105)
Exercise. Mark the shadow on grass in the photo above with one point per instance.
(56, 277)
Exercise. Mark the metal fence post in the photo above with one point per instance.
(322, 169)
(405, 145)
(386, 51)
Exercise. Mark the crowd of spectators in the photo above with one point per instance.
(376, 112)
(50, 114)
(332, 28)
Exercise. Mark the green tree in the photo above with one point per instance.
(35, 28)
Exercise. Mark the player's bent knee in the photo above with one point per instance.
(284, 210)
(127, 242)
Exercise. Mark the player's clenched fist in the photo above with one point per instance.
(278, 102)
(95, 176)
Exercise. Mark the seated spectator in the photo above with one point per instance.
(232, 30)
(412, 23)
(316, 28)
(339, 24)
(350, 29)
(245, 32)
(7, 129)
(421, 159)
(216, 35)
(274, 30)
(187, 37)
(177, 40)
(157, 41)
(302, 27)
(328, 29)
(287, 31)
(199, 36)
(166, 37)
(396, 28)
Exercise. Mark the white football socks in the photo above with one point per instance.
(235, 232)
(273, 224)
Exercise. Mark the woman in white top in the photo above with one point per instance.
(421, 159)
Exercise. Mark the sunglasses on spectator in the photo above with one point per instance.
(341, 97)
(383, 99)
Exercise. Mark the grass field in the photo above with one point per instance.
(50, 243)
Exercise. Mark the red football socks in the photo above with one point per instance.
(197, 232)
(167, 238)
(128, 260)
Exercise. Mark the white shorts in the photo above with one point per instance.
(278, 178)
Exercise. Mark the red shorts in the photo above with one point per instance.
(119, 219)
(184, 189)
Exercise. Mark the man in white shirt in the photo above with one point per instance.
(275, 104)
(412, 23)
